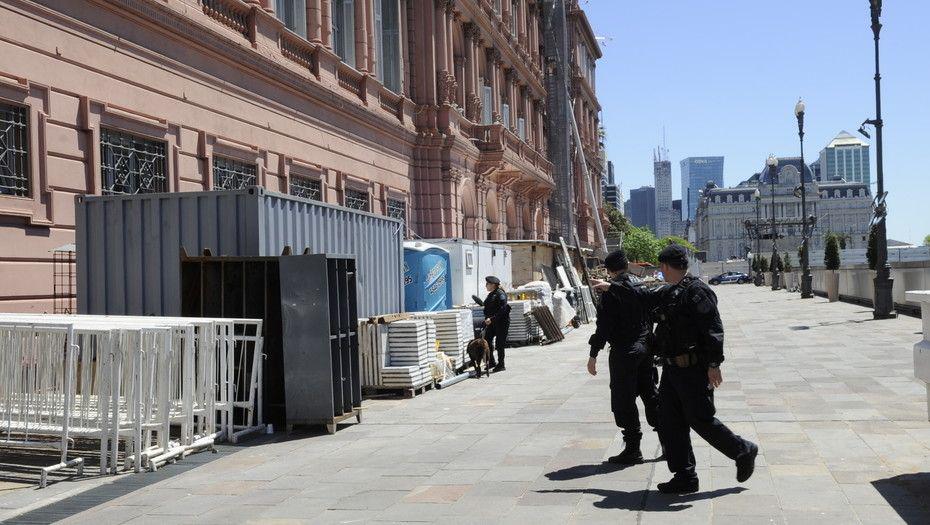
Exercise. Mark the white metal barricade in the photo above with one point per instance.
(135, 377)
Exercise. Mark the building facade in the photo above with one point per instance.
(696, 172)
(643, 208)
(679, 225)
(429, 111)
(662, 173)
(721, 220)
(846, 157)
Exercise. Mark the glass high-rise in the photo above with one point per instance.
(845, 158)
(695, 173)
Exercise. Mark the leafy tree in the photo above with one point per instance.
(674, 239)
(871, 252)
(927, 240)
(755, 264)
(763, 263)
(619, 225)
(641, 245)
(786, 262)
(831, 257)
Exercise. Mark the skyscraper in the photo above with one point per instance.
(695, 173)
(845, 158)
(643, 207)
(610, 190)
(662, 170)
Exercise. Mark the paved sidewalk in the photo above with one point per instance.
(827, 393)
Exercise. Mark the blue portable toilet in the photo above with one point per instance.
(427, 287)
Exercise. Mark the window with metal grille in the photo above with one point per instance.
(397, 209)
(231, 174)
(14, 150)
(306, 188)
(357, 200)
(130, 164)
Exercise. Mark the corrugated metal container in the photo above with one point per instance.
(129, 246)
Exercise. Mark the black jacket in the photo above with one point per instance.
(496, 308)
(625, 324)
(687, 315)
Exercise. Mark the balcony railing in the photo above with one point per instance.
(351, 80)
(295, 48)
(233, 14)
(391, 102)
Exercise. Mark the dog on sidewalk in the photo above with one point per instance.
(478, 351)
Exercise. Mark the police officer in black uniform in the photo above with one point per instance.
(689, 339)
(626, 326)
(496, 321)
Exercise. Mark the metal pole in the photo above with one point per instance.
(806, 279)
(761, 270)
(774, 234)
(882, 301)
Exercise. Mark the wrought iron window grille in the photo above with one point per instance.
(306, 188)
(14, 150)
(231, 174)
(357, 200)
(130, 164)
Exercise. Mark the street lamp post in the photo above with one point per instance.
(772, 163)
(758, 198)
(806, 279)
(882, 300)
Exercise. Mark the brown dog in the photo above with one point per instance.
(478, 350)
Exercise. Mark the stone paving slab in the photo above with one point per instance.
(827, 393)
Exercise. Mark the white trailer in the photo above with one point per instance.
(472, 261)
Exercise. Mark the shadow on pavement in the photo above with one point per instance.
(907, 495)
(639, 500)
(584, 471)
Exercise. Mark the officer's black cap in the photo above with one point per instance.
(674, 255)
(493, 280)
(616, 261)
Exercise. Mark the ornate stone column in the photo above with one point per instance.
(361, 35)
(326, 23)
(482, 188)
(494, 59)
(452, 221)
(518, 232)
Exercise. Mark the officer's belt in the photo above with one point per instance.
(683, 360)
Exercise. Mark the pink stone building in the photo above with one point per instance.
(429, 111)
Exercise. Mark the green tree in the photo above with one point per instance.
(831, 256)
(927, 240)
(763, 263)
(871, 251)
(674, 239)
(641, 245)
(619, 225)
(755, 263)
(786, 262)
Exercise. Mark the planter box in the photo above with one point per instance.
(768, 278)
(922, 348)
(832, 284)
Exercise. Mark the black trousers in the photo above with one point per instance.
(496, 336)
(687, 404)
(632, 375)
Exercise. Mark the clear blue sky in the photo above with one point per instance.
(723, 78)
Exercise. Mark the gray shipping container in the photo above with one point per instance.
(129, 246)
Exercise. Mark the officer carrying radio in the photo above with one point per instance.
(689, 340)
(627, 327)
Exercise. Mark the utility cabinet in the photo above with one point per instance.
(311, 372)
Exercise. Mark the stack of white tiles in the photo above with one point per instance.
(411, 345)
(523, 327)
(453, 332)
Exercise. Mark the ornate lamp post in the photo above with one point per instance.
(758, 198)
(882, 301)
(772, 163)
(806, 278)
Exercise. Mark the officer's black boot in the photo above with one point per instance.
(631, 454)
(678, 485)
(499, 367)
(746, 463)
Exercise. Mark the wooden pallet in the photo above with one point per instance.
(330, 424)
(405, 392)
